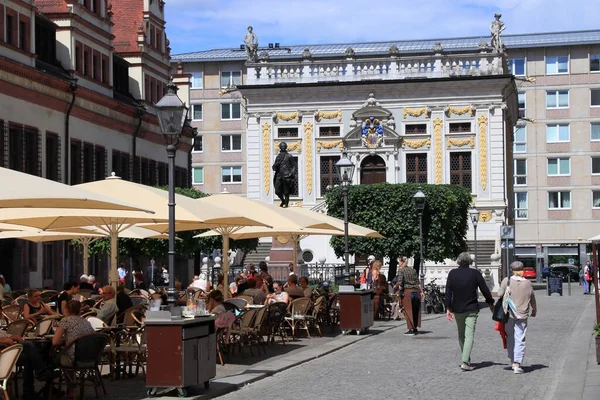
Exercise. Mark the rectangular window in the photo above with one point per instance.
(595, 100)
(460, 169)
(52, 157)
(152, 172)
(99, 162)
(79, 57)
(96, 65)
(287, 132)
(10, 37)
(596, 199)
(595, 165)
(120, 165)
(559, 200)
(415, 129)
(557, 99)
(459, 127)
(15, 147)
(329, 131)
(559, 166)
(105, 70)
(522, 104)
(520, 139)
(328, 174)
(231, 143)
(416, 168)
(76, 162)
(163, 179)
(231, 78)
(87, 63)
(557, 133)
(521, 172)
(231, 174)
(198, 175)
(197, 80)
(88, 162)
(594, 62)
(32, 151)
(595, 131)
(197, 112)
(521, 206)
(230, 111)
(23, 35)
(557, 65)
(145, 173)
(198, 144)
(516, 66)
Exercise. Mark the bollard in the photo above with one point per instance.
(569, 283)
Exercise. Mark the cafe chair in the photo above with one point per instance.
(8, 361)
(239, 303)
(298, 318)
(139, 300)
(86, 293)
(248, 299)
(96, 323)
(43, 327)
(21, 301)
(83, 365)
(11, 313)
(275, 321)
(18, 328)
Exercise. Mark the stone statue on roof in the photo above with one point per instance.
(496, 28)
(251, 44)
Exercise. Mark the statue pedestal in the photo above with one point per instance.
(281, 254)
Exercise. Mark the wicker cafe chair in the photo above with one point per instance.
(11, 313)
(18, 328)
(318, 314)
(133, 347)
(239, 303)
(8, 361)
(240, 332)
(21, 301)
(248, 299)
(275, 321)
(43, 327)
(298, 318)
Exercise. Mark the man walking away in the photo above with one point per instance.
(462, 304)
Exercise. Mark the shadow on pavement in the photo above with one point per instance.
(534, 367)
(485, 364)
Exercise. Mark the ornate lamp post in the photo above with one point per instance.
(419, 200)
(172, 113)
(474, 214)
(345, 170)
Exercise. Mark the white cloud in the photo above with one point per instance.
(194, 25)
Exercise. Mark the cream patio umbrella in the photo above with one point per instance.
(20, 190)
(81, 235)
(271, 215)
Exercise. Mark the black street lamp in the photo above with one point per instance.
(345, 170)
(419, 200)
(474, 214)
(172, 114)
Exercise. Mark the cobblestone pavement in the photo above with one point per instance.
(391, 365)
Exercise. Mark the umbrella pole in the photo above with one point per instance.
(225, 261)
(295, 240)
(114, 256)
(85, 242)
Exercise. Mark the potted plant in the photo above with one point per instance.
(596, 334)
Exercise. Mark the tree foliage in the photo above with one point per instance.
(389, 209)
(188, 245)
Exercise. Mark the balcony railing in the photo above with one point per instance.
(316, 272)
(432, 66)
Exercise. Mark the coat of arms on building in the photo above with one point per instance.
(372, 133)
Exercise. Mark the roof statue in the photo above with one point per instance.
(496, 28)
(251, 43)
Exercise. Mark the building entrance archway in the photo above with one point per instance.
(372, 170)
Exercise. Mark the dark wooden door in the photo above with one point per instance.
(372, 170)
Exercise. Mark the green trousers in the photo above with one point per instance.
(465, 322)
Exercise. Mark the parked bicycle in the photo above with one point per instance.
(434, 299)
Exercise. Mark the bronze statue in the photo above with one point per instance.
(285, 174)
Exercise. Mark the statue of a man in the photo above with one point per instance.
(285, 173)
(251, 42)
(496, 28)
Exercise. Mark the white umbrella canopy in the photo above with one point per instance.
(20, 190)
(594, 239)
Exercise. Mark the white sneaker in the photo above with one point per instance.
(518, 370)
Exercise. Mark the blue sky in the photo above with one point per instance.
(194, 25)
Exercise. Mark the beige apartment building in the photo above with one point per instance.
(556, 142)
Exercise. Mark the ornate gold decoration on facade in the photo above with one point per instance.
(321, 144)
(415, 112)
(416, 144)
(266, 131)
(320, 114)
(485, 216)
(438, 124)
(308, 130)
(482, 122)
(470, 141)
(287, 116)
(460, 110)
(291, 146)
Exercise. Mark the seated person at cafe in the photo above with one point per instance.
(292, 288)
(261, 285)
(233, 286)
(279, 296)
(139, 281)
(96, 285)
(258, 297)
(304, 286)
(123, 303)
(35, 310)
(85, 285)
(109, 308)
(69, 289)
(214, 302)
(70, 328)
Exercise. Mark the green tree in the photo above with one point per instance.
(188, 246)
(388, 209)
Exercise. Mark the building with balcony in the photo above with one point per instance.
(74, 110)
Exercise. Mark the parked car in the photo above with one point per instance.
(565, 271)
(529, 273)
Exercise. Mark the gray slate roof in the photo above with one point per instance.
(406, 46)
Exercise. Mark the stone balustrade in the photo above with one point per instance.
(390, 68)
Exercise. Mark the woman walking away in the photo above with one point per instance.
(411, 295)
(521, 298)
(462, 304)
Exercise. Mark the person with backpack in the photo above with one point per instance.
(587, 278)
